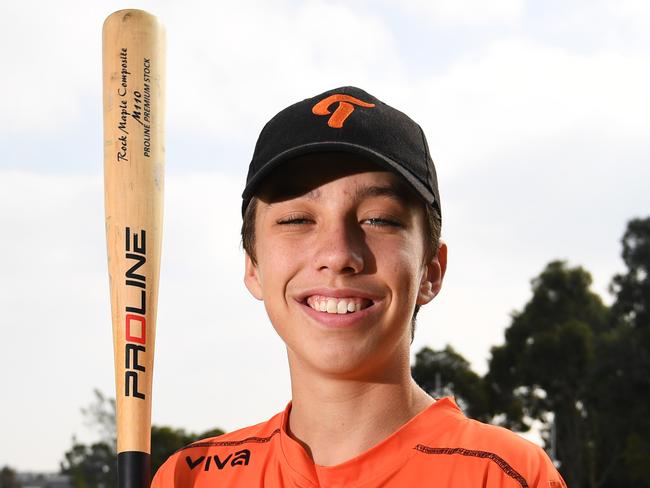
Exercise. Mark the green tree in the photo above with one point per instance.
(100, 417)
(167, 440)
(446, 372)
(632, 289)
(95, 465)
(90, 466)
(620, 396)
(541, 372)
(8, 478)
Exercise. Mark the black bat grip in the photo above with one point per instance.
(133, 469)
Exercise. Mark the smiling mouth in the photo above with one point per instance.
(336, 305)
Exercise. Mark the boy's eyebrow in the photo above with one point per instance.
(281, 193)
(380, 191)
(395, 191)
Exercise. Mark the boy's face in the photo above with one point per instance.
(339, 263)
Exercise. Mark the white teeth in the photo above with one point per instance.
(337, 305)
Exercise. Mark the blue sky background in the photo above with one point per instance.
(537, 118)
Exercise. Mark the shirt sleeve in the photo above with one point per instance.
(547, 475)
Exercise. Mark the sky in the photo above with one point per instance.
(537, 119)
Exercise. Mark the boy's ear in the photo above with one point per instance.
(432, 276)
(251, 278)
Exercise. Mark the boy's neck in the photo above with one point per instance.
(336, 420)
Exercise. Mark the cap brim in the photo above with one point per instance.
(335, 146)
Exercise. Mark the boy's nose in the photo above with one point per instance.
(340, 249)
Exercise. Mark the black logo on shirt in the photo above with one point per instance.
(239, 458)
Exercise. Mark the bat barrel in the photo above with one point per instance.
(133, 97)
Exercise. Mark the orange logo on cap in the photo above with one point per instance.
(342, 112)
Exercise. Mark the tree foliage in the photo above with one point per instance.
(632, 288)
(571, 363)
(167, 440)
(8, 478)
(90, 465)
(100, 417)
(95, 465)
(620, 399)
(570, 360)
(446, 372)
(541, 371)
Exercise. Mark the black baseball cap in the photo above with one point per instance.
(350, 120)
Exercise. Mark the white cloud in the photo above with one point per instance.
(638, 10)
(604, 23)
(56, 340)
(467, 11)
(232, 65)
(52, 55)
(256, 59)
(229, 66)
(518, 95)
(49, 65)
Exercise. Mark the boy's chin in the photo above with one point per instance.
(343, 361)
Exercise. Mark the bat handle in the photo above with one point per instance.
(133, 469)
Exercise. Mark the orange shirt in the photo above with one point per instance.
(438, 448)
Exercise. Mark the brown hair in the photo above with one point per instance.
(432, 228)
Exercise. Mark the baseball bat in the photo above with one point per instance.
(133, 53)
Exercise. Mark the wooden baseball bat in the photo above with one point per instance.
(134, 152)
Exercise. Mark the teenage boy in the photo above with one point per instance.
(341, 232)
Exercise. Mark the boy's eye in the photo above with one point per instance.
(294, 220)
(382, 222)
(290, 220)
